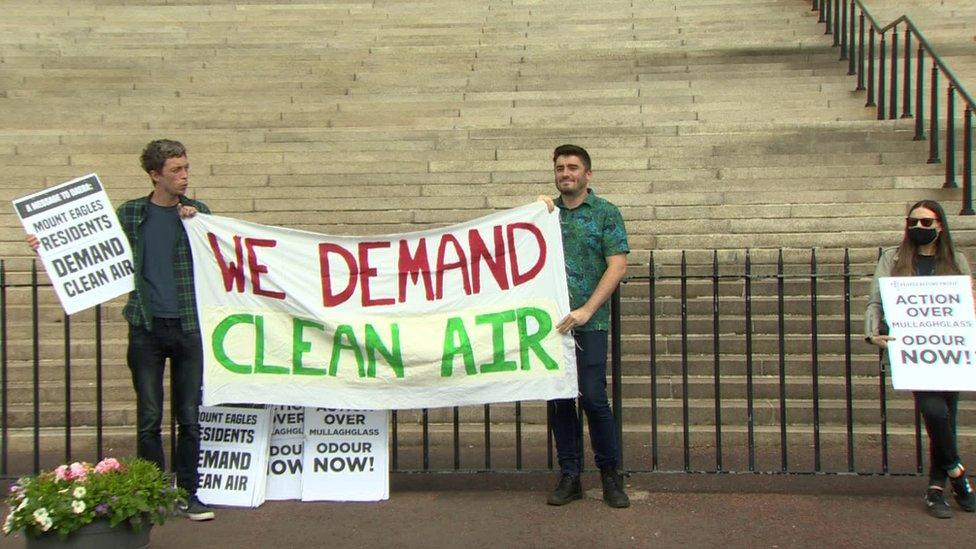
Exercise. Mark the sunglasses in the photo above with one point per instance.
(925, 222)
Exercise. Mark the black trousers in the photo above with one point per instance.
(147, 356)
(939, 409)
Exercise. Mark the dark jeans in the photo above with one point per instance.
(147, 356)
(938, 409)
(591, 367)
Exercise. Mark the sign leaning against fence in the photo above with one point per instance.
(448, 317)
(932, 321)
(82, 246)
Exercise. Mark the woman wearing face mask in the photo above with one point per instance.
(926, 250)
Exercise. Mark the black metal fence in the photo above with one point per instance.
(733, 366)
(873, 54)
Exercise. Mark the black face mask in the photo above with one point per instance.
(921, 236)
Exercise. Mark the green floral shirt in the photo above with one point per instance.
(592, 232)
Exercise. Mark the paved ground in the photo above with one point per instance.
(669, 510)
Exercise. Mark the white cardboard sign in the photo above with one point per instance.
(83, 248)
(932, 321)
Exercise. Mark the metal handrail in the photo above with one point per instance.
(849, 28)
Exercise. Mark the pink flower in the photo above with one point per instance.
(78, 471)
(107, 464)
(62, 473)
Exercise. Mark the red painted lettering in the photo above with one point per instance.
(496, 263)
(443, 266)
(366, 272)
(414, 266)
(257, 269)
(330, 298)
(232, 272)
(517, 277)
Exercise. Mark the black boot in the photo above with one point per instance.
(613, 488)
(568, 490)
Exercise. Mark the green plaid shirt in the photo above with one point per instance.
(592, 232)
(137, 312)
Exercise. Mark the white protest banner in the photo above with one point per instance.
(285, 453)
(448, 317)
(83, 249)
(233, 455)
(346, 455)
(932, 321)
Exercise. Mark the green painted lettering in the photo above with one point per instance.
(344, 331)
(217, 341)
(374, 344)
(533, 342)
(259, 366)
(497, 321)
(299, 347)
(455, 331)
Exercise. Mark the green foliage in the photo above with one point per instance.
(71, 496)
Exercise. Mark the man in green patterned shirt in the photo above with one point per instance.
(595, 248)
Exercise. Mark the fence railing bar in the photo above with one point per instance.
(425, 440)
(36, 366)
(685, 438)
(456, 436)
(488, 437)
(950, 147)
(750, 416)
(781, 341)
(652, 333)
(4, 410)
(67, 388)
(716, 356)
(815, 361)
(848, 365)
(616, 378)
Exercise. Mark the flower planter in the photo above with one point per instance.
(96, 535)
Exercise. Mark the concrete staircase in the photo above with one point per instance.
(714, 125)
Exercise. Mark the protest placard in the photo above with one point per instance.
(285, 453)
(82, 246)
(234, 445)
(932, 322)
(346, 455)
(448, 317)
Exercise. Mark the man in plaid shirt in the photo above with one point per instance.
(162, 314)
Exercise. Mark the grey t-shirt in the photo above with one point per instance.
(160, 233)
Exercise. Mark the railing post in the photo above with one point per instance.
(652, 331)
(860, 52)
(833, 9)
(67, 388)
(616, 379)
(893, 97)
(920, 95)
(906, 99)
(967, 162)
(843, 32)
(781, 340)
(36, 368)
(815, 359)
(100, 386)
(4, 415)
(950, 154)
(882, 58)
(717, 361)
(934, 116)
(685, 428)
(848, 373)
(870, 77)
(750, 416)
